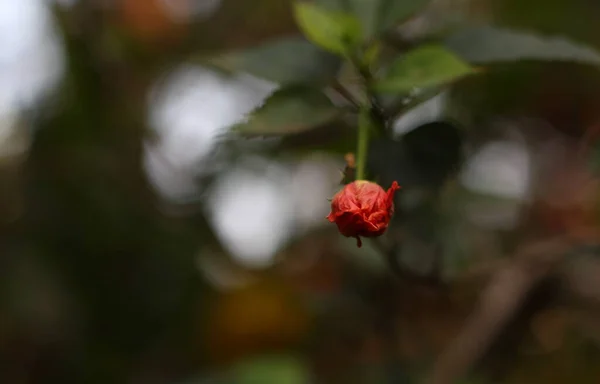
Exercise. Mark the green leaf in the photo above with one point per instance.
(284, 61)
(424, 67)
(334, 5)
(490, 44)
(335, 31)
(393, 11)
(371, 54)
(271, 370)
(290, 110)
(376, 16)
(335, 137)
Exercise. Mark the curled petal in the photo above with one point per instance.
(391, 192)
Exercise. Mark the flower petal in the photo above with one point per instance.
(391, 192)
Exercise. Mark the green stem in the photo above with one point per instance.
(364, 122)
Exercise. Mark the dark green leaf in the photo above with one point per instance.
(427, 66)
(336, 137)
(284, 61)
(489, 44)
(426, 157)
(335, 31)
(335, 5)
(290, 110)
(376, 16)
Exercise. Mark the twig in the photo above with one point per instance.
(498, 303)
(345, 93)
(377, 111)
(390, 255)
(580, 277)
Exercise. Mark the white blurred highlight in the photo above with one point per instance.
(257, 206)
(188, 109)
(427, 112)
(256, 212)
(252, 214)
(313, 182)
(500, 173)
(31, 64)
(501, 169)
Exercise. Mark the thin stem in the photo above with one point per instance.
(345, 93)
(364, 122)
(375, 107)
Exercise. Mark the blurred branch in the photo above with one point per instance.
(390, 254)
(339, 88)
(378, 114)
(499, 302)
(580, 277)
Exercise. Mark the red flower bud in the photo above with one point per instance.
(363, 208)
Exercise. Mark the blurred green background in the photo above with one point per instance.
(143, 243)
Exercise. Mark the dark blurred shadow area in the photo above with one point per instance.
(143, 241)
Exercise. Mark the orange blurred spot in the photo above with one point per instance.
(549, 328)
(149, 20)
(350, 160)
(262, 317)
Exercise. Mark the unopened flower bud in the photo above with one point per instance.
(363, 209)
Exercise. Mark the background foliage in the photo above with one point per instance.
(116, 268)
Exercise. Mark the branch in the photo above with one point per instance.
(580, 277)
(390, 255)
(346, 94)
(498, 303)
(378, 113)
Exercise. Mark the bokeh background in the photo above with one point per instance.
(142, 244)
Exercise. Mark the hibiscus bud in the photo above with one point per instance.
(363, 208)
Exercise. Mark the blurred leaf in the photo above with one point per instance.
(393, 11)
(427, 66)
(290, 110)
(490, 44)
(337, 32)
(376, 16)
(422, 161)
(372, 54)
(336, 137)
(271, 370)
(284, 61)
